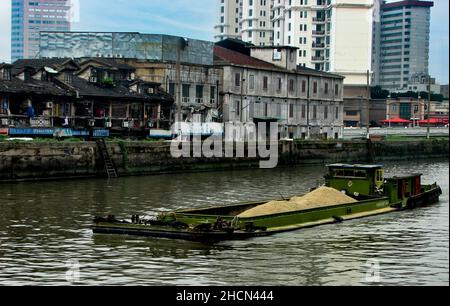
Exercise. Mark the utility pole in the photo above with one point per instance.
(429, 107)
(178, 111)
(368, 104)
(308, 101)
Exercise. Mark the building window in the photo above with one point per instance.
(315, 112)
(199, 93)
(6, 74)
(68, 78)
(237, 80)
(336, 90)
(251, 81)
(280, 84)
(291, 110)
(212, 94)
(186, 93)
(265, 83)
(237, 108)
(303, 111)
(172, 88)
(326, 88)
(337, 112)
(4, 105)
(291, 85)
(303, 86)
(315, 87)
(326, 112)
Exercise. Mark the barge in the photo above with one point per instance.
(370, 193)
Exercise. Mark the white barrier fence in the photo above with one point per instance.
(350, 133)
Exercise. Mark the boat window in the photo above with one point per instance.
(350, 173)
(360, 173)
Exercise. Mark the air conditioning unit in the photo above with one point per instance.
(93, 79)
(126, 124)
(108, 124)
(150, 91)
(49, 105)
(5, 121)
(91, 123)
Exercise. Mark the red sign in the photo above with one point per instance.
(3, 131)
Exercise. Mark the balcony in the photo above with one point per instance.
(318, 58)
(318, 33)
(318, 45)
(318, 20)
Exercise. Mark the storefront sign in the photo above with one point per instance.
(3, 131)
(80, 133)
(31, 132)
(100, 133)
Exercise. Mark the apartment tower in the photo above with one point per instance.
(29, 18)
(402, 43)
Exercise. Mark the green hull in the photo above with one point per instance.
(190, 224)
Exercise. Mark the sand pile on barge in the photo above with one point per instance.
(321, 197)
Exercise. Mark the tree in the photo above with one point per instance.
(378, 93)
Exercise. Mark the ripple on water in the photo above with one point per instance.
(44, 225)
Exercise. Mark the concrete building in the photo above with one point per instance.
(444, 91)
(28, 18)
(154, 57)
(407, 109)
(402, 43)
(89, 98)
(268, 87)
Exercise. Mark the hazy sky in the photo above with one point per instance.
(196, 19)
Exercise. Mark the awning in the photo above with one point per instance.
(396, 120)
(433, 121)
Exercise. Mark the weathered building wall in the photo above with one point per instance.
(27, 161)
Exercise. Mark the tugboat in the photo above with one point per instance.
(368, 192)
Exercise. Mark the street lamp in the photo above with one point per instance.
(429, 107)
(389, 110)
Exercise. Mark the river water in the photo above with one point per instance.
(45, 237)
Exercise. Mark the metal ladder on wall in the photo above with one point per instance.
(110, 169)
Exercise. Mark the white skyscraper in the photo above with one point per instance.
(332, 35)
(229, 19)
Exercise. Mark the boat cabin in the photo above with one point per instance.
(399, 188)
(356, 179)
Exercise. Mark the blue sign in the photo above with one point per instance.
(100, 133)
(31, 131)
(80, 133)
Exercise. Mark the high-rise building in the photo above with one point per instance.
(229, 17)
(402, 43)
(249, 20)
(332, 35)
(256, 22)
(29, 18)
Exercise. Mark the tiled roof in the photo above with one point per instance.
(236, 58)
(37, 64)
(15, 86)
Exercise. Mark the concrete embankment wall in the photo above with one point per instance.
(41, 160)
